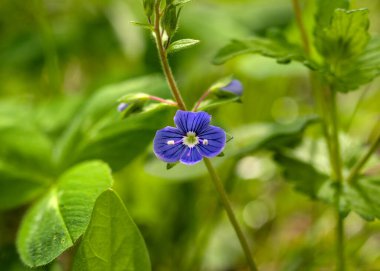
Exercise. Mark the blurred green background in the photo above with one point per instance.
(55, 54)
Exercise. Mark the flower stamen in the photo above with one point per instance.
(190, 139)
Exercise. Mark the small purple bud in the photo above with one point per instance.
(122, 106)
(235, 87)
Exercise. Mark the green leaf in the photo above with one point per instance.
(218, 102)
(112, 240)
(362, 70)
(18, 187)
(143, 25)
(304, 176)
(180, 45)
(180, 2)
(280, 49)
(325, 11)
(270, 136)
(149, 8)
(170, 20)
(98, 132)
(345, 38)
(363, 197)
(57, 220)
(25, 164)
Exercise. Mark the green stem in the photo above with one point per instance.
(181, 104)
(227, 206)
(360, 164)
(298, 13)
(340, 242)
(164, 60)
(336, 163)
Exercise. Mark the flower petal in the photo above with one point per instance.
(234, 87)
(169, 153)
(216, 140)
(191, 156)
(192, 121)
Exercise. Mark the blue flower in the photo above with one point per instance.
(122, 106)
(193, 139)
(235, 87)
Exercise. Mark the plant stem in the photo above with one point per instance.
(360, 164)
(298, 13)
(181, 104)
(340, 241)
(195, 108)
(326, 99)
(164, 60)
(337, 170)
(227, 206)
(158, 99)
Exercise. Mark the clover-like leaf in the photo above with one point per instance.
(112, 240)
(57, 220)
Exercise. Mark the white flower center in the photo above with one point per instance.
(190, 139)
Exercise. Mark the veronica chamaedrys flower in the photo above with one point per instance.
(192, 139)
(235, 87)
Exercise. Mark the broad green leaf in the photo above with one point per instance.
(180, 45)
(57, 220)
(345, 38)
(304, 176)
(98, 132)
(18, 187)
(112, 240)
(362, 69)
(280, 49)
(25, 167)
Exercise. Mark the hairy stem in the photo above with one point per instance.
(181, 104)
(164, 60)
(227, 206)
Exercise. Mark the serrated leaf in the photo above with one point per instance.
(363, 197)
(112, 240)
(325, 10)
(58, 219)
(283, 51)
(180, 45)
(345, 38)
(362, 69)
